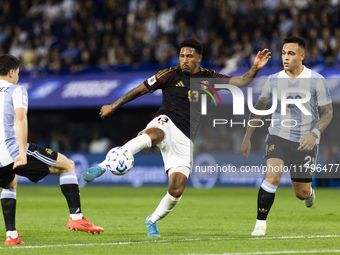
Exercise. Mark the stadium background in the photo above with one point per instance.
(79, 55)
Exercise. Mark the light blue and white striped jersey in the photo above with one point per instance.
(11, 97)
(303, 124)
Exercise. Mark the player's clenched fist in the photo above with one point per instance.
(106, 110)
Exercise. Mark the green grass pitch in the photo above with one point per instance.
(215, 221)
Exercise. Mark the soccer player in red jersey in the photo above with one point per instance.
(175, 126)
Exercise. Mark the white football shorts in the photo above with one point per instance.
(176, 147)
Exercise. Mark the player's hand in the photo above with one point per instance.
(245, 147)
(106, 110)
(307, 143)
(20, 161)
(262, 58)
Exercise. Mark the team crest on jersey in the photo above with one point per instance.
(152, 80)
(271, 147)
(162, 120)
(203, 83)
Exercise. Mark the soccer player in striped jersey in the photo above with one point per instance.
(175, 125)
(32, 161)
(294, 137)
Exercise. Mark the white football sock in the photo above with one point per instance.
(166, 205)
(76, 216)
(261, 223)
(12, 233)
(138, 143)
(102, 165)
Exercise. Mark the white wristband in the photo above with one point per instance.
(317, 132)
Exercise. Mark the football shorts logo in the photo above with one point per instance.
(162, 120)
(152, 80)
(49, 151)
(271, 147)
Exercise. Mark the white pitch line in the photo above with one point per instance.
(271, 252)
(170, 241)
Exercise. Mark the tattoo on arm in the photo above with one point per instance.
(326, 112)
(132, 94)
(129, 96)
(251, 73)
(246, 79)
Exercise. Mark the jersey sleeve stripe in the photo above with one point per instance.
(165, 71)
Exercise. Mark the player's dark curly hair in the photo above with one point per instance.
(297, 40)
(192, 43)
(8, 62)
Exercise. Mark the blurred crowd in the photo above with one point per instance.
(72, 36)
(69, 36)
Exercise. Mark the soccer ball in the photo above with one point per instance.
(119, 161)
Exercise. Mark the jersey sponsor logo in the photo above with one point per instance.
(152, 80)
(49, 151)
(162, 120)
(271, 147)
(180, 84)
(3, 89)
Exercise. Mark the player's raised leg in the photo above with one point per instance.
(178, 177)
(69, 187)
(135, 145)
(8, 203)
(266, 194)
(304, 191)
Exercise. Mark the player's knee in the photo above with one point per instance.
(302, 194)
(176, 192)
(71, 166)
(273, 181)
(68, 166)
(14, 184)
(156, 135)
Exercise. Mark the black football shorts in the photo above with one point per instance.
(38, 161)
(298, 162)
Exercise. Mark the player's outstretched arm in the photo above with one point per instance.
(246, 145)
(21, 131)
(307, 142)
(107, 110)
(260, 61)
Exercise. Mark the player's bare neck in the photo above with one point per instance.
(295, 72)
(5, 78)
